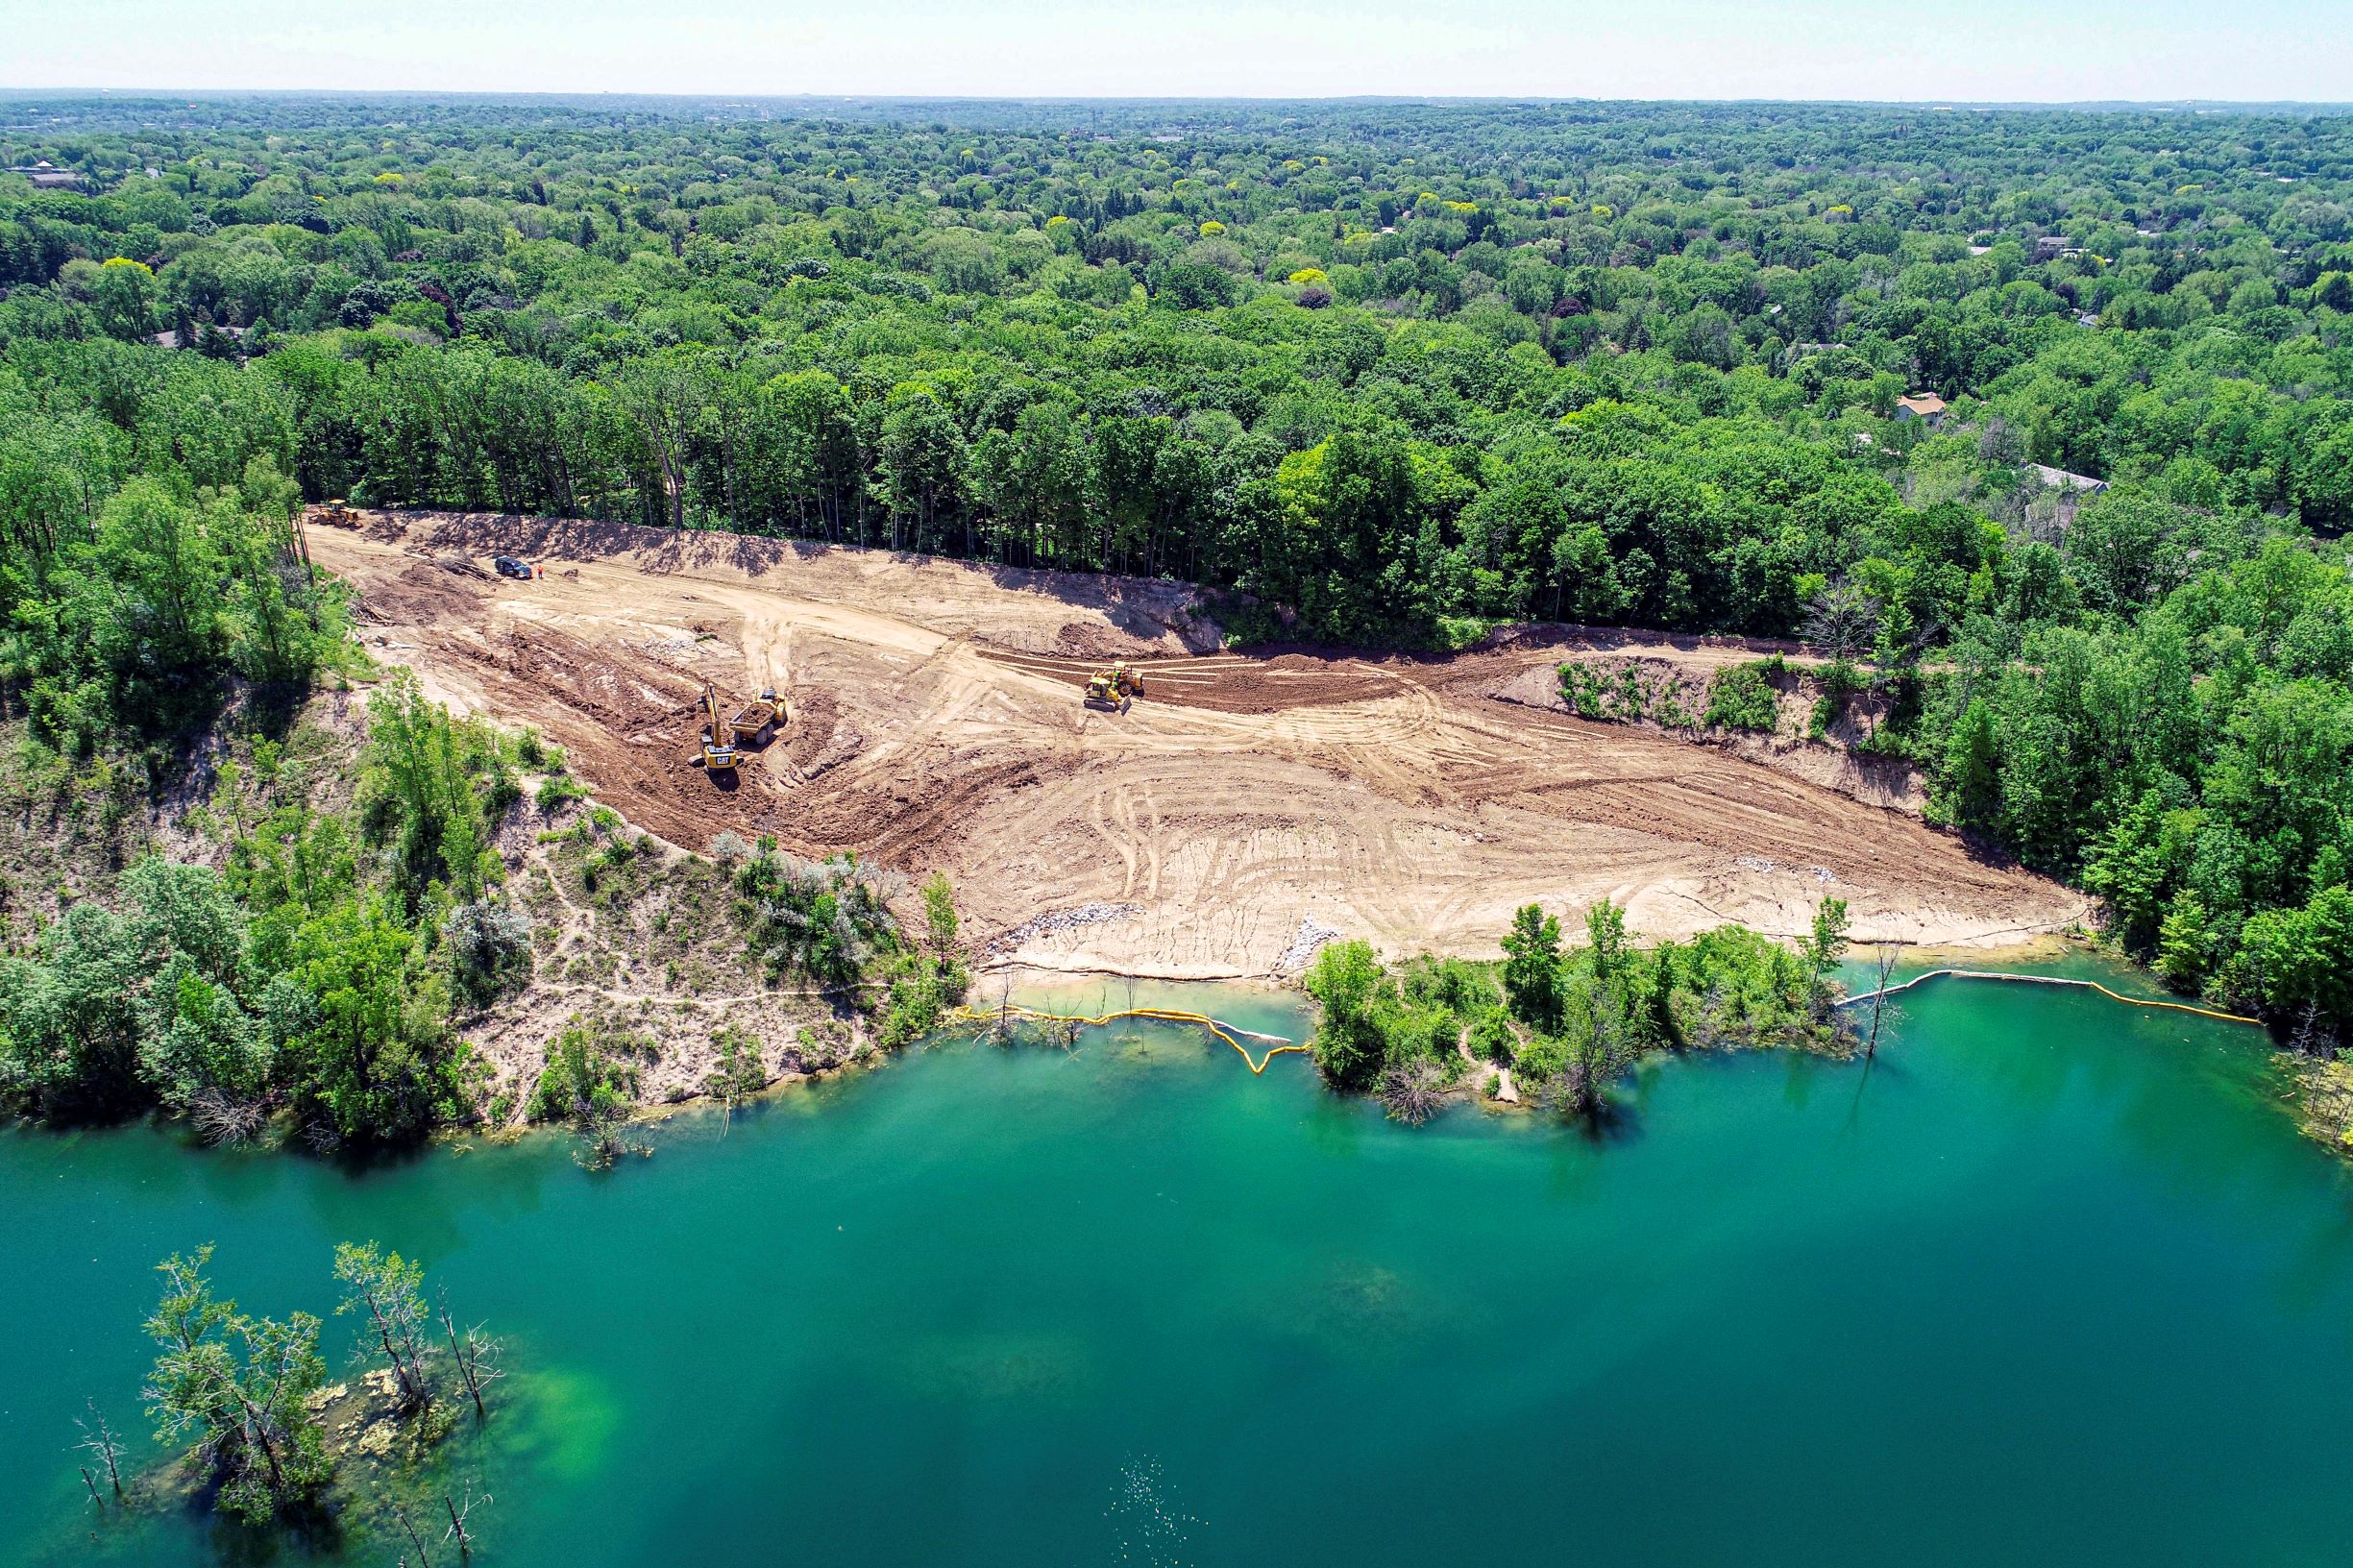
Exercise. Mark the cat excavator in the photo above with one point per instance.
(1113, 688)
(718, 749)
(755, 724)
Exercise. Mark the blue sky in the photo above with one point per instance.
(1886, 49)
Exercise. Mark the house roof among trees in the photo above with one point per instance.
(2060, 477)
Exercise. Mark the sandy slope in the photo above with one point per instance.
(936, 723)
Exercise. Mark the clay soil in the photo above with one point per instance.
(936, 723)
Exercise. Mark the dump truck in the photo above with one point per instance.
(1111, 688)
(718, 750)
(757, 720)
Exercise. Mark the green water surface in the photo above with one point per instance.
(2053, 1281)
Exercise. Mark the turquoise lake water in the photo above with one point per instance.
(2053, 1281)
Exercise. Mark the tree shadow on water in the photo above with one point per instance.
(1612, 1124)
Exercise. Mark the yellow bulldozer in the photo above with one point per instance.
(718, 749)
(336, 512)
(1113, 688)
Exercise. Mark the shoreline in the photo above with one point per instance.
(2315, 1087)
(2026, 944)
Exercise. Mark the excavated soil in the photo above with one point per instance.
(936, 723)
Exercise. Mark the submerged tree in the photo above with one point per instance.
(100, 1443)
(461, 1519)
(387, 1292)
(1604, 1040)
(1884, 958)
(239, 1387)
(1414, 1091)
(244, 1392)
(476, 1354)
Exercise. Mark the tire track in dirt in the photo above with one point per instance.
(935, 724)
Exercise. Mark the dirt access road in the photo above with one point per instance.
(1243, 805)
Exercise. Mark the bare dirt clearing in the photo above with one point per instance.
(934, 722)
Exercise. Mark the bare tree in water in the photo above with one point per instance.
(460, 1529)
(1883, 960)
(476, 1354)
(98, 1441)
(425, 1559)
(1413, 1093)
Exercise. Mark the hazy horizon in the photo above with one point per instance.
(169, 89)
(2000, 53)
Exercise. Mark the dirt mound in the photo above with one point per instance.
(421, 595)
(1115, 617)
(936, 723)
(1081, 641)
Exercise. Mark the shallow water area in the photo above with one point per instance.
(2053, 1280)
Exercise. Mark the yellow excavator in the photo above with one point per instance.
(1111, 688)
(718, 752)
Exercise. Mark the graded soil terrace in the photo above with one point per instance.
(1245, 803)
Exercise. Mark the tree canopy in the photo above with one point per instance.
(1394, 374)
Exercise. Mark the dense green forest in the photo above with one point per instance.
(1395, 373)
